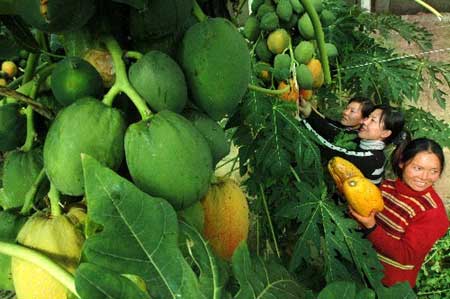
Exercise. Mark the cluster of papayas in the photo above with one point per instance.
(80, 93)
(362, 195)
(285, 45)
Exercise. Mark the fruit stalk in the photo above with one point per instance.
(29, 197)
(198, 12)
(269, 91)
(122, 83)
(42, 261)
(320, 38)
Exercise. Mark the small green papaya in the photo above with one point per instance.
(281, 65)
(262, 51)
(264, 9)
(13, 127)
(19, 174)
(214, 134)
(284, 10)
(87, 126)
(251, 28)
(269, 21)
(305, 27)
(327, 17)
(168, 157)
(59, 239)
(74, 78)
(297, 6)
(331, 49)
(304, 52)
(160, 81)
(256, 4)
(304, 77)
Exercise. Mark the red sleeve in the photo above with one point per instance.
(420, 236)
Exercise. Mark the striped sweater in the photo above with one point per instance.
(406, 230)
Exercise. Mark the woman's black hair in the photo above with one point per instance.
(366, 105)
(403, 154)
(394, 121)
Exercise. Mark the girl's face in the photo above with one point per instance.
(372, 127)
(422, 171)
(352, 115)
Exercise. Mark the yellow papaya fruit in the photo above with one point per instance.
(59, 239)
(362, 195)
(341, 170)
(226, 215)
(315, 67)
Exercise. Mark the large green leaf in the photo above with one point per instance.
(263, 279)
(212, 277)
(139, 236)
(94, 282)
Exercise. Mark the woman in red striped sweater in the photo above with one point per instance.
(414, 217)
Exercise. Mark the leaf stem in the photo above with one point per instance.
(42, 261)
(122, 83)
(269, 91)
(198, 12)
(53, 195)
(272, 231)
(133, 54)
(430, 8)
(29, 196)
(30, 67)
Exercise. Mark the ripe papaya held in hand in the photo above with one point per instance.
(226, 217)
(362, 195)
(59, 239)
(341, 169)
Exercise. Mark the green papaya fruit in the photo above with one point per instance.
(288, 25)
(284, 10)
(74, 78)
(297, 6)
(213, 133)
(263, 70)
(264, 9)
(19, 174)
(305, 27)
(327, 17)
(256, 4)
(281, 67)
(269, 21)
(304, 77)
(251, 28)
(59, 239)
(168, 157)
(159, 18)
(331, 49)
(304, 52)
(13, 127)
(55, 15)
(262, 51)
(160, 81)
(217, 75)
(87, 126)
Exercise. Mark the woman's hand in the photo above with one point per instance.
(304, 108)
(367, 222)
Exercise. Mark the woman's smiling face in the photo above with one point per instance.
(422, 171)
(372, 127)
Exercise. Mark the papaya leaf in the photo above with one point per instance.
(138, 4)
(212, 278)
(20, 32)
(95, 282)
(338, 290)
(10, 224)
(263, 279)
(139, 236)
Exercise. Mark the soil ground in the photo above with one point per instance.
(440, 52)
